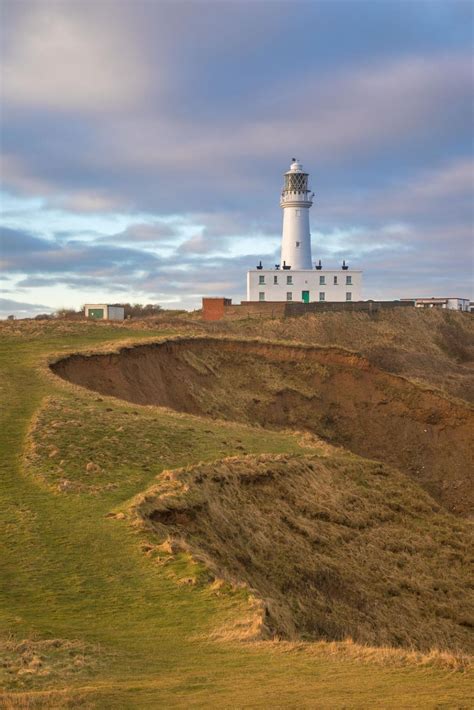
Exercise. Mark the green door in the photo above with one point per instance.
(305, 296)
(96, 312)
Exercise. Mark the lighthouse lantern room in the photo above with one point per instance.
(295, 278)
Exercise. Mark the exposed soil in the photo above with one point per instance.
(335, 547)
(338, 395)
(431, 346)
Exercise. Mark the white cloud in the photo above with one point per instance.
(63, 57)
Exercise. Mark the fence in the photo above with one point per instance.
(217, 308)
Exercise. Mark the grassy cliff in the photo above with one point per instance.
(93, 615)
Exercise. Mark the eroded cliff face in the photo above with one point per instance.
(338, 395)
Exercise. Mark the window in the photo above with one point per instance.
(335, 281)
(289, 280)
(298, 212)
(296, 182)
(275, 279)
(348, 296)
(322, 280)
(289, 296)
(348, 280)
(297, 244)
(261, 279)
(261, 296)
(322, 296)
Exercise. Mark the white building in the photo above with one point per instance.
(305, 285)
(450, 303)
(103, 311)
(295, 278)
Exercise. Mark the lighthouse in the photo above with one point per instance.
(296, 278)
(296, 200)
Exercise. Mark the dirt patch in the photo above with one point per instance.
(335, 548)
(335, 394)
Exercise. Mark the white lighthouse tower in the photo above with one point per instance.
(295, 278)
(296, 199)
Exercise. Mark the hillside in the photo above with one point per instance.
(435, 347)
(335, 394)
(430, 346)
(336, 547)
(144, 568)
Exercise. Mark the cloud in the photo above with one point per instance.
(405, 99)
(25, 253)
(20, 309)
(162, 117)
(199, 244)
(162, 160)
(443, 194)
(439, 193)
(153, 140)
(155, 232)
(68, 279)
(455, 180)
(17, 175)
(15, 243)
(86, 202)
(345, 113)
(64, 58)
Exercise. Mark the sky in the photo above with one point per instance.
(144, 144)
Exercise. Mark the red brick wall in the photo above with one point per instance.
(213, 308)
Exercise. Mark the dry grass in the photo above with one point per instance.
(385, 656)
(335, 547)
(26, 662)
(46, 700)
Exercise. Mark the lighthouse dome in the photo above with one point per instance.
(296, 166)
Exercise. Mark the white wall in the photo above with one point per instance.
(116, 313)
(296, 239)
(458, 304)
(306, 280)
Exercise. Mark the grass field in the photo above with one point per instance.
(89, 619)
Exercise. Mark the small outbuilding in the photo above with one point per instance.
(104, 311)
(451, 303)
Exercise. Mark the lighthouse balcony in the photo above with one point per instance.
(299, 198)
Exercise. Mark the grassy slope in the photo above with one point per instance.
(68, 572)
